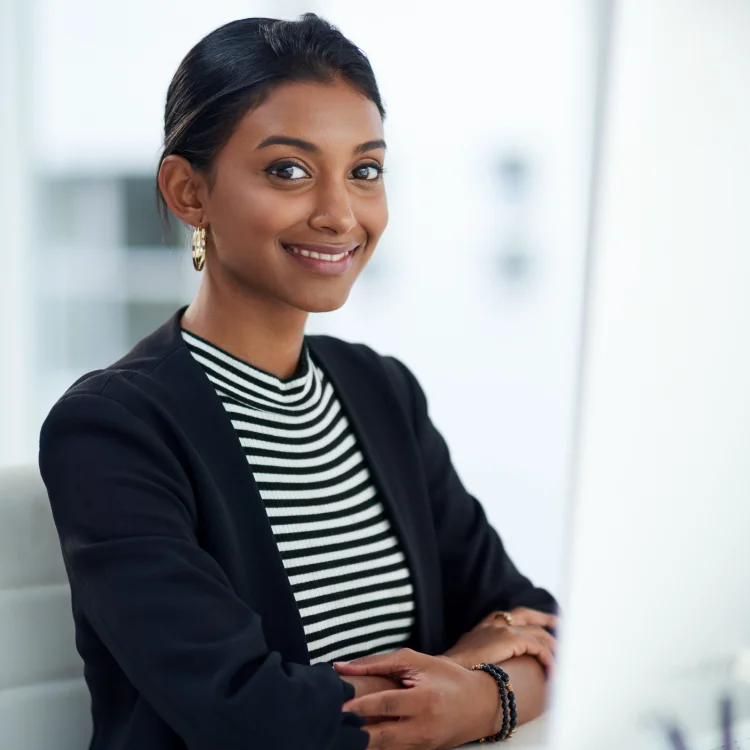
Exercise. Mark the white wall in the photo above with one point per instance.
(16, 283)
(103, 71)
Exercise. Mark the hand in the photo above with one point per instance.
(494, 641)
(523, 616)
(442, 704)
(370, 684)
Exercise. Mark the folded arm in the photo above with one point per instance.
(162, 606)
(478, 576)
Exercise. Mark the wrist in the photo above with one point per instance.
(464, 660)
(490, 708)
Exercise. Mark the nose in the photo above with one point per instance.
(333, 212)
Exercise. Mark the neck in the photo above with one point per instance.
(264, 333)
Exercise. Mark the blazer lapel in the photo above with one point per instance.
(377, 421)
(265, 586)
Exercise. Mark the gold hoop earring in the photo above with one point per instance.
(199, 248)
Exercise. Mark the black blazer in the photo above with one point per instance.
(185, 618)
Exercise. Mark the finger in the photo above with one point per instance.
(404, 661)
(386, 735)
(496, 619)
(491, 619)
(376, 720)
(389, 703)
(547, 659)
(400, 735)
(526, 616)
(535, 647)
(537, 632)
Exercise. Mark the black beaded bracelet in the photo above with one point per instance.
(489, 668)
(512, 712)
(507, 701)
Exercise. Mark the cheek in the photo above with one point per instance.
(246, 206)
(373, 216)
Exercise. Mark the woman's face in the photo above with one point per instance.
(300, 175)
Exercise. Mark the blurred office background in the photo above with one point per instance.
(477, 284)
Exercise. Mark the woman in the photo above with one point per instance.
(239, 505)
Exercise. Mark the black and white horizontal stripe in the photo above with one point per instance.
(345, 565)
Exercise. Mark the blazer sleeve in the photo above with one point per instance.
(163, 607)
(477, 573)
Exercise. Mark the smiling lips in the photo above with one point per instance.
(326, 253)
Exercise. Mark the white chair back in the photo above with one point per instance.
(44, 703)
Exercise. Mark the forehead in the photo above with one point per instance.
(332, 114)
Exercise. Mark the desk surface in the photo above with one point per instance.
(531, 736)
(535, 734)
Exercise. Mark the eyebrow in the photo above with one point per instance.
(283, 140)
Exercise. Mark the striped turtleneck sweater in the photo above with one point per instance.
(348, 573)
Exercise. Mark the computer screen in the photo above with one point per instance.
(657, 609)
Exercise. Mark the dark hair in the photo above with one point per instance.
(234, 69)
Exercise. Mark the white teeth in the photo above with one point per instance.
(318, 256)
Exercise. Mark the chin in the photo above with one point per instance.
(322, 303)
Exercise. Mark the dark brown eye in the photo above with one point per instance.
(368, 172)
(287, 171)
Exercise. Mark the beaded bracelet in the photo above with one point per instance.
(502, 675)
(507, 701)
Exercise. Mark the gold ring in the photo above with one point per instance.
(507, 616)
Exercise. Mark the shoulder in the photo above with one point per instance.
(121, 418)
(142, 376)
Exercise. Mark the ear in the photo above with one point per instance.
(184, 190)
